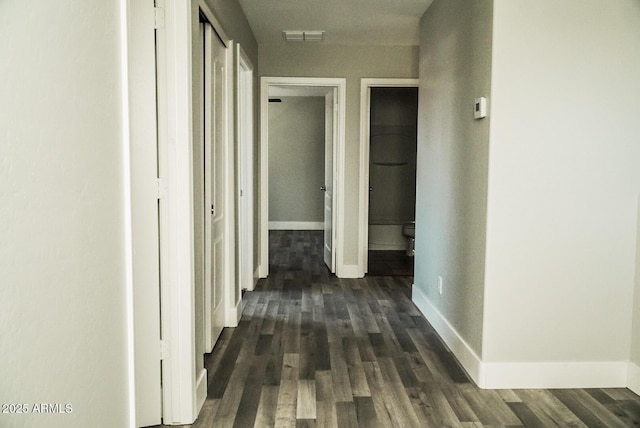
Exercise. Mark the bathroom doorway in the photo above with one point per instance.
(391, 146)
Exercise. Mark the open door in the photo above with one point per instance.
(329, 135)
(214, 184)
(244, 134)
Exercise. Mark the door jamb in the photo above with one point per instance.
(365, 118)
(338, 241)
(184, 386)
(143, 280)
(245, 145)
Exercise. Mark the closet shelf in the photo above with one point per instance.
(391, 134)
(391, 163)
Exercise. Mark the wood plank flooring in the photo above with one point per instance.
(390, 263)
(312, 350)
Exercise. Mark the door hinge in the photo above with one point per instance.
(162, 188)
(159, 17)
(164, 350)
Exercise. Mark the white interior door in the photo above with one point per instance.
(245, 170)
(329, 136)
(214, 185)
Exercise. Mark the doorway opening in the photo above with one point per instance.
(301, 158)
(389, 147)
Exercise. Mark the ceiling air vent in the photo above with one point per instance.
(303, 36)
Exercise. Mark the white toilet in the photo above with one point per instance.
(409, 230)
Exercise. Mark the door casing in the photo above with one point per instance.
(338, 169)
(184, 385)
(365, 118)
(245, 149)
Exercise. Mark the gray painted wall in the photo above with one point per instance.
(352, 63)
(232, 18)
(296, 159)
(453, 150)
(555, 200)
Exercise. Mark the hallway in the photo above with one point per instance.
(313, 350)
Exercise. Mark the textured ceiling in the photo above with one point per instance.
(346, 22)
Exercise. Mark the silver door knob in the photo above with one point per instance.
(323, 188)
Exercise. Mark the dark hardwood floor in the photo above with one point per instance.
(313, 350)
(390, 263)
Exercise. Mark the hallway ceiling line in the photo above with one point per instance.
(345, 22)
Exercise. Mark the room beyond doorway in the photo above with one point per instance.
(388, 175)
(334, 91)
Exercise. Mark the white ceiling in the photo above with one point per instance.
(346, 22)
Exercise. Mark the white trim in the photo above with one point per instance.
(234, 314)
(177, 287)
(263, 185)
(386, 247)
(125, 41)
(211, 17)
(338, 176)
(143, 184)
(525, 375)
(365, 116)
(549, 375)
(230, 312)
(296, 225)
(633, 377)
(467, 357)
(245, 145)
(201, 391)
(181, 392)
(349, 271)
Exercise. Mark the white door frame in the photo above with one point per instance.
(184, 384)
(144, 272)
(338, 177)
(245, 143)
(365, 119)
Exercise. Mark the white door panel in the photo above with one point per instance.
(328, 179)
(214, 84)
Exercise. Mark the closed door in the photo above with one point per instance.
(214, 167)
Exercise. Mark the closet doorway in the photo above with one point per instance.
(388, 165)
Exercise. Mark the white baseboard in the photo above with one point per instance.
(263, 269)
(256, 277)
(201, 392)
(349, 271)
(233, 314)
(296, 225)
(549, 375)
(387, 247)
(458, 346)
(633, 377)
(527, 375)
